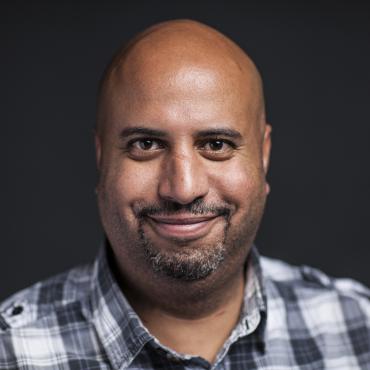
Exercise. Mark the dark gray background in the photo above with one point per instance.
(315, 62)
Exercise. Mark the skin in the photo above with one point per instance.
(184, 80)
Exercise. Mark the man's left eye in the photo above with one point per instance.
(217, 149)
(216, 145)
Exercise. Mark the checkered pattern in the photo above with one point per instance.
(292, 318)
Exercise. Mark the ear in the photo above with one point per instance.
(98, 146)
(266, 149)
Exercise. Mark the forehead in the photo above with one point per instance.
(179, 85)
(183, 97)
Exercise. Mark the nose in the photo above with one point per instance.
(183, 178)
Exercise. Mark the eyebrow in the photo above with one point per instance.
(219, 132)
(130, 131)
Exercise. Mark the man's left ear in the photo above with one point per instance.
(97, 140)
(266, 149)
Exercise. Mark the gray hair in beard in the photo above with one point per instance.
(186, 264)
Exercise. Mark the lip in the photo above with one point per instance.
(182, 227)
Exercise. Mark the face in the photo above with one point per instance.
(182, 171)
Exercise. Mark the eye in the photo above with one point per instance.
(145, 144)
(216, 145)
(144, 148)
(217, 149)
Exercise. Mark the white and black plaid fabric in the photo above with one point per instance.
(292, 318)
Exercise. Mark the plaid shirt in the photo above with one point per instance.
(292, 318)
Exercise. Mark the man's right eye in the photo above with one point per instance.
(142, 148)
(145, 144)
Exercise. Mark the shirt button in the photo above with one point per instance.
(17, 310)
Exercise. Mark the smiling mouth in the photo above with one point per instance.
(182, 227)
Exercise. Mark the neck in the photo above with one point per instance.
(192, 318)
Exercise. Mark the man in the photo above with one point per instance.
(182, 148)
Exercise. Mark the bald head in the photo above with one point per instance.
(176, 54)
(181, 130)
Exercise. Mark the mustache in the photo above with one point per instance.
(167, 208)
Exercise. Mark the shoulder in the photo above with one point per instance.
(49, 323)
(315, 293)
(43, 299)
(318, 317)
(310, 278)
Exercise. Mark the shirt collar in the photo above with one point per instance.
(121, 331)
(255, 299)
(252, 320)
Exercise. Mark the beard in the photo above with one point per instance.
(189, 261)
(188, 264)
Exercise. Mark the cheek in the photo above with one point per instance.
(239, 184)
(130, 183)
(120, 186)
